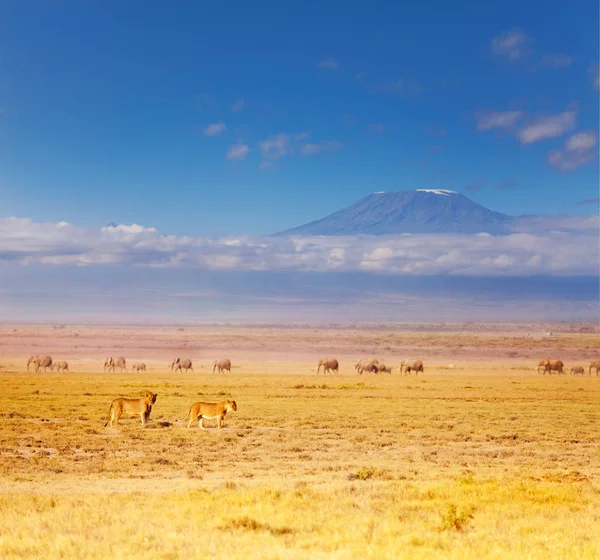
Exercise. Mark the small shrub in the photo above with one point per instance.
(249, 524)
(453, 520)
(365, 473)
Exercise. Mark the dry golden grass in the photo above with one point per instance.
(482, 461)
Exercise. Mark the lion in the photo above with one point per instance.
(201, 410)
(141, 406)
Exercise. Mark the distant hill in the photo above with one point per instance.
(415, 211)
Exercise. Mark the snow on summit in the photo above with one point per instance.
(443, 192)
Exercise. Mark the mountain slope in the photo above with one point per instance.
(416, 211)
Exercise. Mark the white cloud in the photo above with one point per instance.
(556, 60)
(214, 129)
(281, 145)
(238, 151)
(550, 126)
(329, 64)
(578, 150)
(332, 145)
(512, 44)
(571, 252)
(275, 146)
(238, 105)
(486, 120)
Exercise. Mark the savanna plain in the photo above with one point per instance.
(479, 457)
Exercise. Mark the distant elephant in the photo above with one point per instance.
(416, 367)
(138, 367)
(113, 363)
(180, 364)
(31, 360)
(577, 370)
(370, 366)
(328, 364)
(594, 365)
(43, 362)
(221, 366)
(382, 368)
(61, 366)
(542, 364)
(554, 365)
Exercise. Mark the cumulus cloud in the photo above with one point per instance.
(276, 146)
(550, 126)
(238, 151)
(214, 129)
(512, 44)
(570, 251)
(329, 64)
(578, 150)
(487, 120)
(281, 145)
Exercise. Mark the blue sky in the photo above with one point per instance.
(248, 118)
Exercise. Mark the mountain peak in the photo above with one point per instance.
(412, 211)
(442, 192)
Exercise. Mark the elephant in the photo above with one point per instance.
(180, 364)
(43, 362)
(594, 365)
(542, 364)
(61, 366)
(222, 366)
(328, 364)
(138, 367)
(113, 363)
(382, 368)
(370, 366)
(577, 370)
(554, 365)
(409, 368)
(31, 360)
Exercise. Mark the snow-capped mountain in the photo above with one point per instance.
(415, 211)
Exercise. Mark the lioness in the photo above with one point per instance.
(141, 406)
(202, 410)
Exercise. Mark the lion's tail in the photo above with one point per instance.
(188, 414)
(109, 414)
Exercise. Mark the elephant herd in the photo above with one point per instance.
(557, 366)
(45, 362)
(111, 364)
(331, 365)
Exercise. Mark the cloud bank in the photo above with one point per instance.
(567, 246)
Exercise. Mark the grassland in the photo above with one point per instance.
(486, 460)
